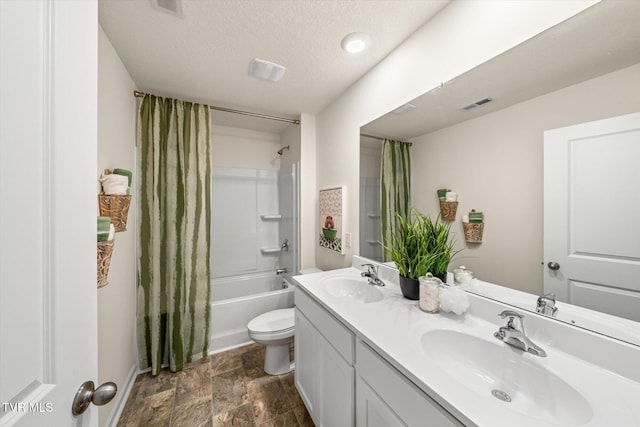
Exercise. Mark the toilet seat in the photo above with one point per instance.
(273, 322)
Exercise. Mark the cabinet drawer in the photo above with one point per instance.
(341, 338)
(410, 403)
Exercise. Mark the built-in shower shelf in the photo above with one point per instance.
(373, 242)
(373, 216)
(270, 251)
(271, 217)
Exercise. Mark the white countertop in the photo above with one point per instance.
(394, 327)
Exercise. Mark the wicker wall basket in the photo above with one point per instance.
(105, 249)
(473, 231)
(448, 210)
(117, 208)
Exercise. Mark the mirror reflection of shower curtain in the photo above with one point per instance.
(395, 185)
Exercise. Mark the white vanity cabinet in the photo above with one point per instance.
(344, 383)
(324, 375)
(385, 397)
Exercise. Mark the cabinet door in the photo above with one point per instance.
(306, 349)
(336, 387)
(399, 395)
(323, 378)
(371, 410)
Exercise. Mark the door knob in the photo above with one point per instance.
(553, 265)
(87, 394)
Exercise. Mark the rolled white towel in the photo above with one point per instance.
(113, 184)
(112, 231)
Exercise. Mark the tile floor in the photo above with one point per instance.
(225, 389)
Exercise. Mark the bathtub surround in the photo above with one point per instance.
(238, 299)
(246, 247)
(288, 203)
(174, 151)
(243, 202)
(370, 156)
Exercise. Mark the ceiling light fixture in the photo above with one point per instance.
(355, 42)
(265, 70)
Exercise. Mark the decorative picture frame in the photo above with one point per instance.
(331, 229)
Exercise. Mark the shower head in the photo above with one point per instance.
(280, 151)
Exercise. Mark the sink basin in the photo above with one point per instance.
(358, 290)
(495, 370)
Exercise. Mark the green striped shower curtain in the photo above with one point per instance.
(395, 186)
(174, 211)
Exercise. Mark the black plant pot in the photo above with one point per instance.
(442, 277)
(410, 288)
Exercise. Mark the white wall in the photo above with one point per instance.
(495, 164)
(243, 148)
(116, 301)
(291, 137)
(308, 191)
(370, 158)
(462, 36)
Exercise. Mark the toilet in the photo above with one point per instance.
(275, 330)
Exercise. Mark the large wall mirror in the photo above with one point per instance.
(482, 135)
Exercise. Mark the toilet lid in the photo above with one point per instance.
(273, 321)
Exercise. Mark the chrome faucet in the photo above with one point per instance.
(281, 271)
(547, 305)
(515, 336)
(372, 275)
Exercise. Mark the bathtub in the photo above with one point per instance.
(235, 300)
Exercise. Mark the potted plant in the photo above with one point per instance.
(407, 246)
(418, 245)
(439, 243)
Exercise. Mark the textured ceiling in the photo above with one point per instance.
(600, 40)
(204, 56)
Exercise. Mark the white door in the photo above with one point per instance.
(592, 215)
(48, 132)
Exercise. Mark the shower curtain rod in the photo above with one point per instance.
(382, 139)
(139, 94)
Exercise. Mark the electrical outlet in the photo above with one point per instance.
(347, 239)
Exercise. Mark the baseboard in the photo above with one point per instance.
(122, 397)
(231, 347)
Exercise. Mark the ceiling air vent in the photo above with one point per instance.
(172, 7)
(404, 108)
(265, 70)
(476, 104)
